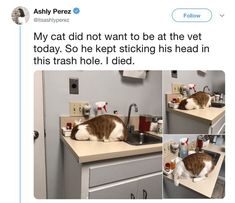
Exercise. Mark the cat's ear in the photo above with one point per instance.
(76, 122)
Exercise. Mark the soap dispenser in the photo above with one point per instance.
(183, 147)
(87, 110)
(101, 107)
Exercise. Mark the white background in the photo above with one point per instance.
(101, 16)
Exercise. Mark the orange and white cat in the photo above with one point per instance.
(107, 128)
(196, 166)
(199, 100)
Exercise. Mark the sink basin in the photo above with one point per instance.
(217, 104)
(138, 138)
(215, 156)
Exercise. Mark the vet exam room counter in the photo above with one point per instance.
(204, 187)
(88, 151)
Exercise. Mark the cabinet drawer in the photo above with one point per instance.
(142, 187)
(116, 170)
(218, 126)
(117, 190)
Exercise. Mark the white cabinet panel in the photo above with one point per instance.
(143, 187)
(118, 190)
(150, 187)
(218, 127)
(117, 170)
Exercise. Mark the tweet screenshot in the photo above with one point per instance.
(122, 100)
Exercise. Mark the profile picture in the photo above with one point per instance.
(20, 15)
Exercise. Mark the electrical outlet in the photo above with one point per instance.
(166, 148)
(175, 88)
(174, 74)
(73, 86)
(76, 108)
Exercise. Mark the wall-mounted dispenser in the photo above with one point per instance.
(86, 110)
(101, 107)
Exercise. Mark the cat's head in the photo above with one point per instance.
(182, 104)
(75, 128)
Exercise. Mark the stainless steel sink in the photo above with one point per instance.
(217, 104)
(138, 138)
(215, 156)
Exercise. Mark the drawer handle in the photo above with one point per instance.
(145, 194)
(35, 135)
(132, 196)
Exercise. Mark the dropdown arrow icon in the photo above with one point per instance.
(221, 15)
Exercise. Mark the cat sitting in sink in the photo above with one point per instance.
(196, 166)
(107, 128)
(199, 100)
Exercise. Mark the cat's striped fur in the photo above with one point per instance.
(196, 166)
(100, 128)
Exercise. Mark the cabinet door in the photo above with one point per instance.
(150, 187)
(119, 190)
(124, 168)
(218, 127)
(39, 142)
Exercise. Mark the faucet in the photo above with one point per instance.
(206, 87)
(129, 115)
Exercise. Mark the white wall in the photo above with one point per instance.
(214, 79)
(218, 81)
(177, 137)
(94, 86)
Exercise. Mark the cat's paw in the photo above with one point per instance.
(106, 140)
(176, 182)
(198, 179)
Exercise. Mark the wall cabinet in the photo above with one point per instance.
(135, 177)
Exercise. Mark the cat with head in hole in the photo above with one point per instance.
(107, 128)
(199, 100)
(196, 166)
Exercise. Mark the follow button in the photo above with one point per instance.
(192, 15)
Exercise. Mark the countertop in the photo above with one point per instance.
(205, 187)
(88, 151)
(209, 115)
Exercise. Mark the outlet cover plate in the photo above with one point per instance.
(175, 88)
(73, 86)
(76, 108)
(174, 74)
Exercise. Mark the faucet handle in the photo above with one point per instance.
(131, 128)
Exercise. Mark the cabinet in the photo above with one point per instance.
(150, 187)
(135, 177)
(171, 191)
(117, 190)
(179, 123)
(218, 128)
(145, 187)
